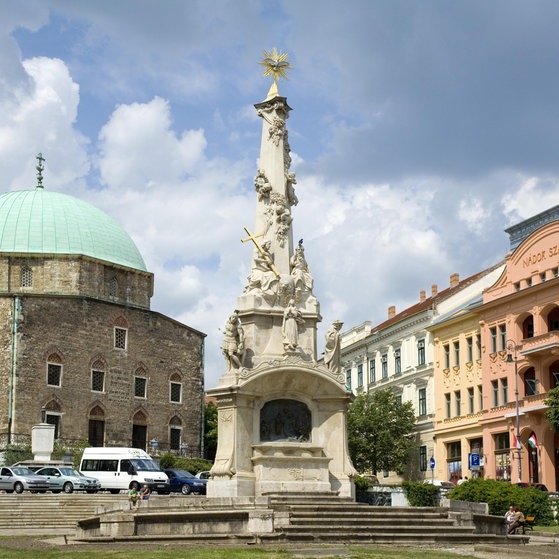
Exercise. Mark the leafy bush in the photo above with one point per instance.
(362, 484)
(167, 461)
(192, 465)
(15, 453)
(421, 494)
(499, 495)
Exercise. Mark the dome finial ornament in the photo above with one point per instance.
(40, 168)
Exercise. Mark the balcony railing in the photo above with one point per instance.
(541, 345)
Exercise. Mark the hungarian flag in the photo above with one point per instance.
(515, 442)
(532, 441)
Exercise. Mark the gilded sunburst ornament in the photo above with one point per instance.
(276, 64)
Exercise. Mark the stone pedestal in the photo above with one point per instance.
(42, 441)
(282, 430)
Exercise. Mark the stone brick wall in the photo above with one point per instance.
(81, 331)
(76, 275)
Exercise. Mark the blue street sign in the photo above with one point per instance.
(474, 461)
(432, 463)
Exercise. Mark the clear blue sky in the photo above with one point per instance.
(419, 131)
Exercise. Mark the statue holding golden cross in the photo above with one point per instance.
(266, 257)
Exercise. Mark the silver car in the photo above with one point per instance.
(20, 479)
(68, 480)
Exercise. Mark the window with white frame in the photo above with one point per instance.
(421, 352)
(348, 378)
(397, 361)
(372, 370)
(120, 337)
(97, 380)
(175, 392)
(384, 365)
(140, 387)
(360, 375)
(54, 370)
(422, 404)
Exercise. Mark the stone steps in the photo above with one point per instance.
(40, 513)
(199, 519)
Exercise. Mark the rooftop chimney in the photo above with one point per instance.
(454, 280)
(421, 296)
(434, 290)
(391, 311)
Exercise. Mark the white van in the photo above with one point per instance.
(123, 468)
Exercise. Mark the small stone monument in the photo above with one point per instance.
(281, 414)
(42, 439)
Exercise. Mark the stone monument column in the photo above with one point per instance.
(281, 415)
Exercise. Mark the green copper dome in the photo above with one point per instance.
(42, 222)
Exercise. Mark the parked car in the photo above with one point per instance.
(441, 484)
(203, 475)
(539, 486)
(185, 482)
(68, 480)
(20, 479)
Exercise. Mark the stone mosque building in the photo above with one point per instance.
(79, 345)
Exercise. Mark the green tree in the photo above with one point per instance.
(210, 431)
(552, 413)
(380, 432)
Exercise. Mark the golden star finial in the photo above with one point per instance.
(276, 64)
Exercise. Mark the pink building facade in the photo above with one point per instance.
(519, 327)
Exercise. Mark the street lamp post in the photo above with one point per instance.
(511, 346)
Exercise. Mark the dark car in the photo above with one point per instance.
(539, 486)
(185, 482)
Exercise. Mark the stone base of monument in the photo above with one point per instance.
(290, 468)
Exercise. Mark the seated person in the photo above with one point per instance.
(518, 522)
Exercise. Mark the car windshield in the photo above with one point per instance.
(145, 465)
(184, 473)
(69, 472)
(23, 471)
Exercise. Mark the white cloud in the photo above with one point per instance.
(532, 196)
(139, 148)
(42, 120)
(474, 214)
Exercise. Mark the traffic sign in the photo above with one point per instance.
(432, 463)
(474, 461)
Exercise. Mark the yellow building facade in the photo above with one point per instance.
(458, 377)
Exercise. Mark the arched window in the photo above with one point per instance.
(96, 426)
(53, 415)
(285, 420)
(98, 376)
(175, 432)
(553, 320)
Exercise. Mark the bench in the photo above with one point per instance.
(529, 522)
